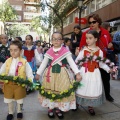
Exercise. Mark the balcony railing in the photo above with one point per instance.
(32, 11)
(31, 3)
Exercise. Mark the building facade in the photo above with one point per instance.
(108, 10)
(26, 9)
(1, 23)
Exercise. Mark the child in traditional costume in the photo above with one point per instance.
(91, 93)
(4, 52)
(15, 66)
(40, 51)
(31, 54)
(57, 78)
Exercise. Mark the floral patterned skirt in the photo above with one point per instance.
(59, 82)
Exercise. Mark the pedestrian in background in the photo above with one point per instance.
(18, 38)
(116, 46)
(4, 52)
(75, 39)
(56, 77)
(106, 25)
(40, 51)
(13, 91)
(110, 52)
(67, 43)
(104, 43)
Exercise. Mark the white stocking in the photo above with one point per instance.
(19, 108)
(10, 108)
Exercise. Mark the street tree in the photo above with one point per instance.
(7, 13)
(18, 29)
(58, 11)
(39, 25)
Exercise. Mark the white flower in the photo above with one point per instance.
(112, 64)
(88, 55)
(81, 58)
(102, 58)
(81, 63)
(94, 57)
(86, 60)
(97, 60)
(107, 61)
(115, 68)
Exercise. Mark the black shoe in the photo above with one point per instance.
(91, 111)
(9, 116)
(59, 114)
(29, 91)
(1, 91)
(51, 114)
(110, 99)
(19, 116)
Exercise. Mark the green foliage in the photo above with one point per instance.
(19, 81)
(58, 11)
(37, 86)
(7, 13)
(63, 94)
(18, 29)
(36, 24)
(90, 58)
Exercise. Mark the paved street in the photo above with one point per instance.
(33, 110)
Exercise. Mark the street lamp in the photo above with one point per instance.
(80, 5)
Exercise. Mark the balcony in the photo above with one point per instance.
(30, 16)
(31, 11)
(32, 2)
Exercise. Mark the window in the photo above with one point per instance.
(17, 7)
(83, 13)
(88, 8)
(93, 6)
(98, 4)
(71, 18)
(29, 17)
(103, 3)
(19, 17)
(31, 9)
(76, 14)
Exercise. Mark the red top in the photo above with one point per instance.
(91, 65)
(29, 54)
(103, 42)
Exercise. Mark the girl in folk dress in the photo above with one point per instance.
(31, 54)
(56, 77)
(15, 66)
(91, 93)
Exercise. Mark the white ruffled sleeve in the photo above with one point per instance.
(28, 71)
(103, 65)
(37, 56)
(80, 55)
(72, 64)
(2, 69)
(43, 66)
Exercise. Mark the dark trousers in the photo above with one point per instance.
(106, 82)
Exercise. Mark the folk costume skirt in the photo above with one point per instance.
(59, 82)
(91, 92)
